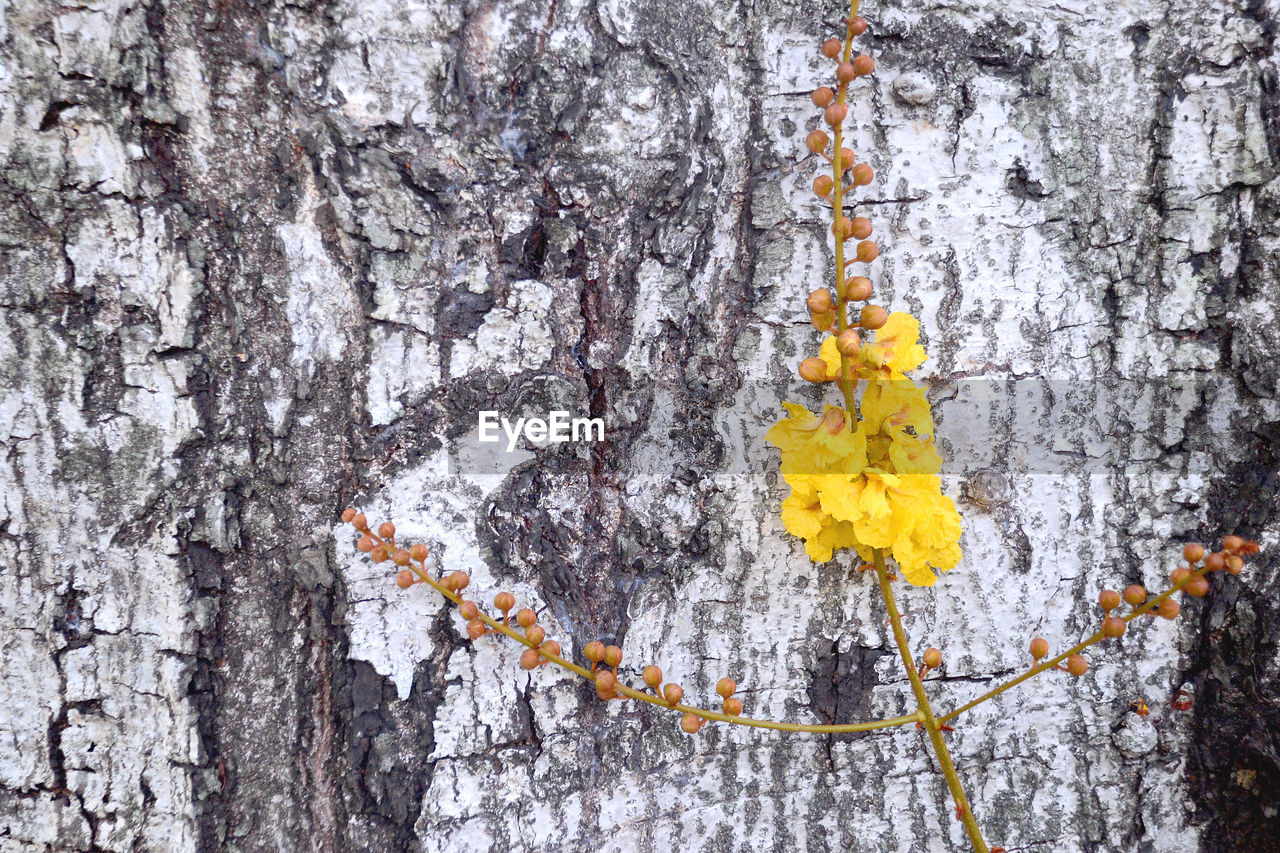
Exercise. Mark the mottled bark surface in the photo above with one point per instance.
(260, 261)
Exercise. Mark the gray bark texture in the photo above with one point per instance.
(260, 261)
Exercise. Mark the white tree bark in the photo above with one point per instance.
(262, 261)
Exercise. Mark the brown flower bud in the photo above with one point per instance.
(848, 343)
(822, 96)
(726, 687)
(1113, 626)
(1134, 594)
(1215, 562)
(475, 629)
(1233, 544)
(404, 579)
(863, 65)
(529, 659)
(1108, 600)
(1039, 648)
(386, 530)
(606, 682)
(823, 321)
(359, 522)
(549, 647)
(469, 610)
(673, 693)
(873, 317)
(863, 174)
(847, 159)
(1179, 576)
(1077, 665)
(691, 723)
(1197, 587)
(932, 657)
(535, 634)
(835, 113)
(820, 300)
(1169, 609)
(378, 554)
(526, 617)
(861, 227)
(868, 251)
(817, 141)
(365, 544)
(652, 676)
(612, 656)
(1235, 564)
(1193, 553)
(347, 515)
(458, 582)
(831, 48)
(822, 186)
(504, 601)
(857, 26)
(813, 370)
(857, 288)
(593, 651)
(845, 72)
(419, 552)
(733, 707)
(400, 557)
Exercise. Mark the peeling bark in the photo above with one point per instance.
(262, 261)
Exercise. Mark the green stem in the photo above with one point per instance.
(837, 207)
(931, 725)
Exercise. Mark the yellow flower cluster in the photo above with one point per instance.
(873, 483)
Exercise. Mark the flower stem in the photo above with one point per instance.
(1052, 663)
(837, 211)
(931, 725)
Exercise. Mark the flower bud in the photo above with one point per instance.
(813, 370)
(691, 723)
(1233, 544)
(378, 554)
(726, 687)
(817, 141)
(846, 161)
(535, 634)
(822, 96)
(529, 659)
(873, 317)
(526, 617)
(593, 651)
(347, 515)
(861, 227)
(386, 530)
(606, 682)
(400, 557)
(831, 48)
(1215, 562)
(1039, 648)
(1169, 609)
(550, 647)
(365, 544)
(733, 707)
(1193, 553)
(863, 65)
(835, 113)
(673, 693)
(848, 343)
(504, 601)
(820, 300)
(1077, 665)
(1235, 564)
(857, 26)
(1134, 594)
(863, 174)
(1179, 576)
(822, 186)
(404, 579)
(868, 251)
(475, 629)
(613, 656)
(652, 676)
(823, 320)
(1108, 600)
(359, 522)
(845, 72)
(857, 288)
(932, 657)
(469, 610)
(419, 552)
(459, 581)
(1197, 587)
(1113, 626)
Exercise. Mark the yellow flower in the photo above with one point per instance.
(899, 426)
(816, 445)
(895, 349)
(926, 528)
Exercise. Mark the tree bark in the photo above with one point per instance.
(261, 261)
